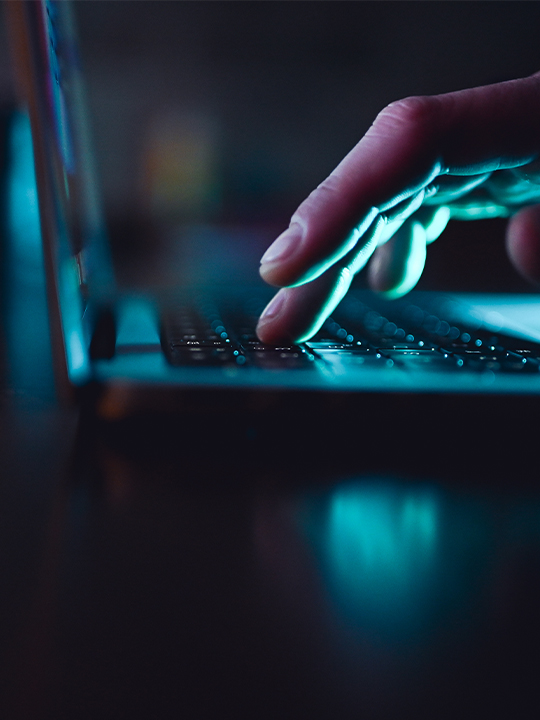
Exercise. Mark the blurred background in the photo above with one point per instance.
(232, 112)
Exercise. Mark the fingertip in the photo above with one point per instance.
(285, 321)
(271, 334)
(523, 242)
(277, 261)
(296, 314)
(271, 274)
(269, 329)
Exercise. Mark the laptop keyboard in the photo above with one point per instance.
(203, 333)
(363, 331)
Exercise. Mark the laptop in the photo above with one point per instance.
(194, 348)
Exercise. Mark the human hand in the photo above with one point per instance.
(469, 154)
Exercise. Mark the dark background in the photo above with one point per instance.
(289, 88)
(282, 91)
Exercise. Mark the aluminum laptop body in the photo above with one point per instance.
(117, 351)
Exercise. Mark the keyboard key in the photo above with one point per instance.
(201, 356)
(278, 360)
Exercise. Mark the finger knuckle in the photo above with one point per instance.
(327, 194)
(411, 115)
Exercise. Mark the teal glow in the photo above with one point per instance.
(509, 313)
(405, 568)
(22, 204)
(336, 295)
(26, 283)
(348, 246)
(381, 546)
(27, 327)
(480, 211)
(437, 224)
(138, 322)
(76, 352)
(72, 312)
(414, 262)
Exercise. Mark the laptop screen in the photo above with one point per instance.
(78, 266)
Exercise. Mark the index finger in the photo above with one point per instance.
(409, 144)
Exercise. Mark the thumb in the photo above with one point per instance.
(523, 242)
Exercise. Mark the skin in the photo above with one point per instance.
(469, 154)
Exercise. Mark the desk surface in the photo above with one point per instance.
(205, 582)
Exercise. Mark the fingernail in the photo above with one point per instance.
(272, 309)
(284, 245)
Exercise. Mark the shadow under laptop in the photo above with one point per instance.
(304, 439)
